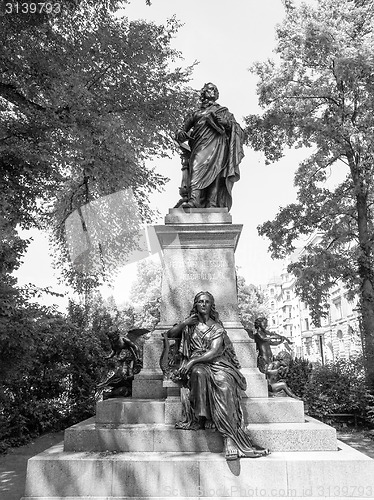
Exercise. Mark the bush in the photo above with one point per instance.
(49, 371)
(299, 373)
(337, 387)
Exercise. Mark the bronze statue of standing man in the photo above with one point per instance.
(215, 149)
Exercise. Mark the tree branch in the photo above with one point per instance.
(101, 73)
(305, 97)
(10, 93)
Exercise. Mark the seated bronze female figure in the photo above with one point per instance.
(210, 370)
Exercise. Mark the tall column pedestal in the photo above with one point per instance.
(198, 248)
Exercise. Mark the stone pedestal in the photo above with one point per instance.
(198, 248)
(198, 255)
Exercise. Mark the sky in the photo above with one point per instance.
(226, 38)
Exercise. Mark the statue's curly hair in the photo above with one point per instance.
(202, 91)
(213, 313)
(259, 320)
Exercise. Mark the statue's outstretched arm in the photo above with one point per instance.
(275, 341)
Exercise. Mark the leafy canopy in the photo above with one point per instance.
(318, 95)
(86, 96)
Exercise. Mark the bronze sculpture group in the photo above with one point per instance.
(275, 368)
(203, 360)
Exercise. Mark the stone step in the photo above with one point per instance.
(88, 436)
(282, 494)
(148, 384)
(311, 435)
(55, 474)
(272, 410)
(151, 411)
(130, 411)
(257, 386)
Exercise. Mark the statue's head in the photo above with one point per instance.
(283, 357)
(113, 333)
(208, 299)
(261, 322)
(209, 92)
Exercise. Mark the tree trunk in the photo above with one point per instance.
(365, 270)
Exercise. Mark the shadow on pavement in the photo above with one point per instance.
(13, 465)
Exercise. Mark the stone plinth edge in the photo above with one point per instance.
(198, 216)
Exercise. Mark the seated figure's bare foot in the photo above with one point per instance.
(185, 426)
(255, 453)
(193, 425)
(231, 450)
(233, 453)
(198, 424)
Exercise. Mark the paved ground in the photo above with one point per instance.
(13, 464)
(361, 440)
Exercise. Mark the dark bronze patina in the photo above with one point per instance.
(264, 340)
(128, 362)
(211, 142)
(209, 369)
(276, 375)
(275, 368)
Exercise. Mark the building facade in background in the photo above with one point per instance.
(339, 334)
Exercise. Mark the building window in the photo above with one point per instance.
(288, 295)
(341, 348)
(338, 309)
(306, 320)
(271, 291)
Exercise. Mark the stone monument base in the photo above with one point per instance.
(128, 452)
(65, 475)
(131, 449)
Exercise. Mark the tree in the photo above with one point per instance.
(319, 95)
(250, 302)
(145, 295)
(86, 96)
(147, 285)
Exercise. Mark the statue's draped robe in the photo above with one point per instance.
(215, 386)
(216, 151)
